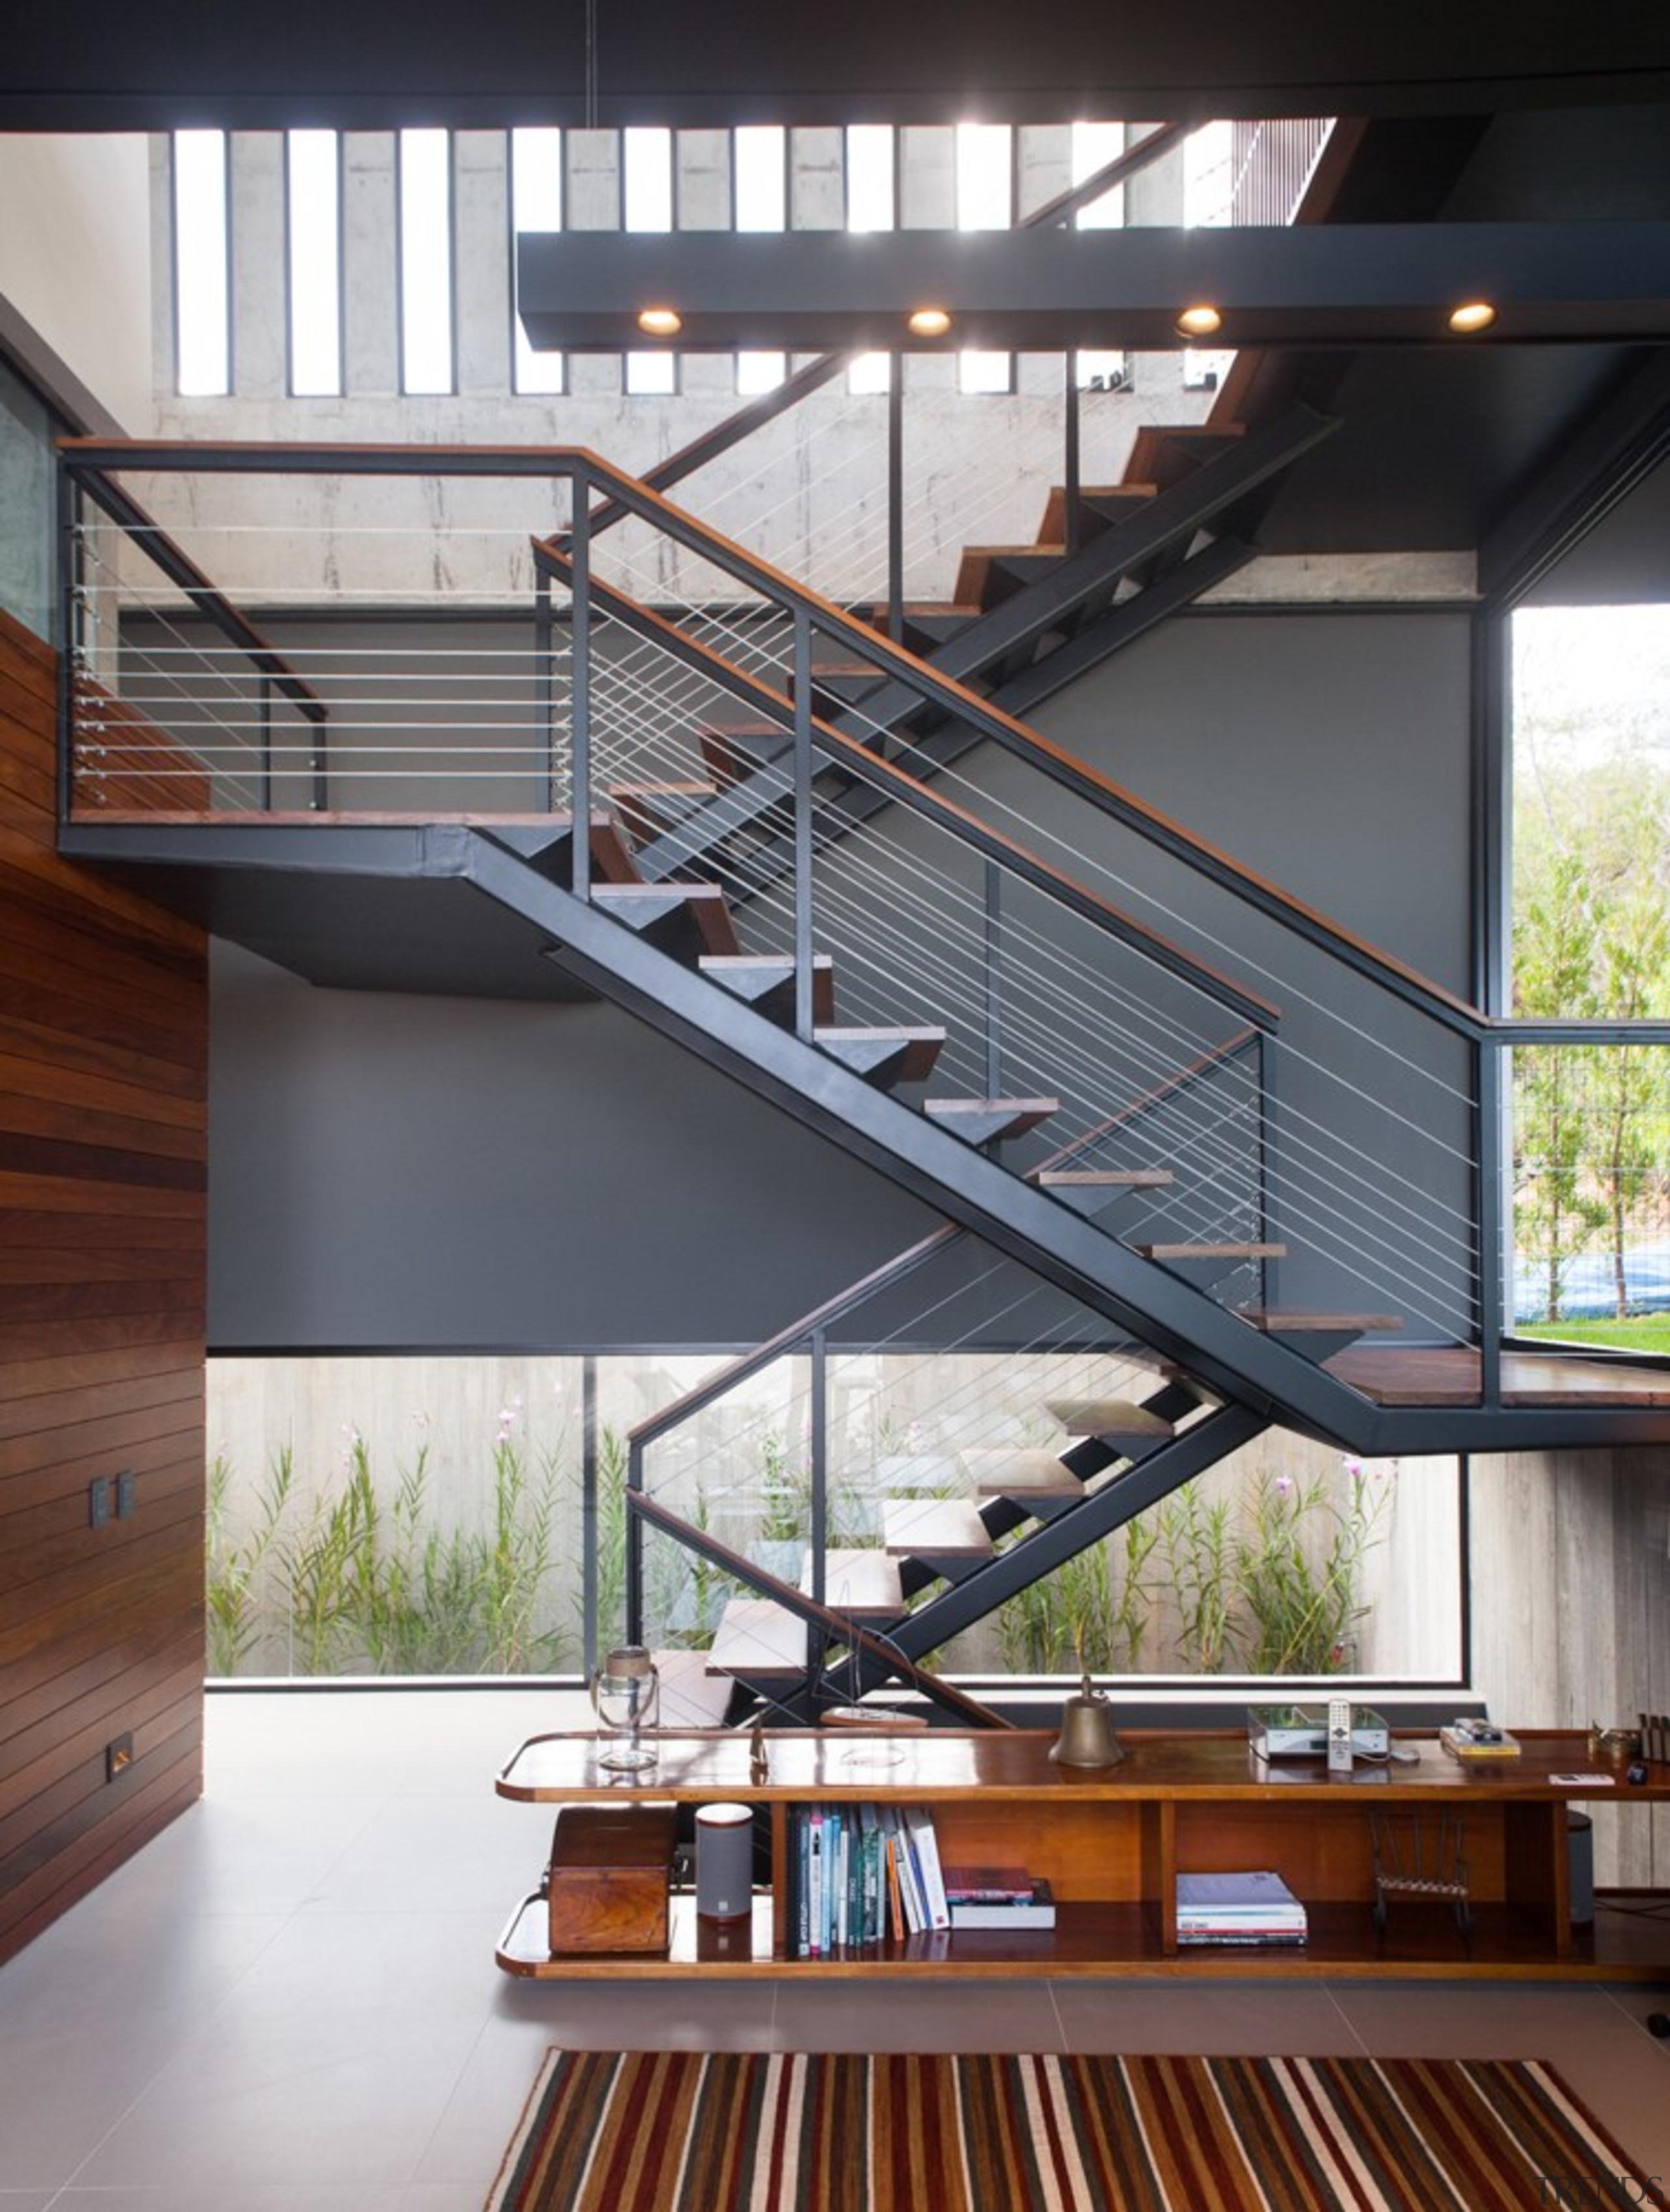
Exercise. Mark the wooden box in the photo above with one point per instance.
(610, 1877)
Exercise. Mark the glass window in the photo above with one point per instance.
(652, 375)
(760, 178)
(646, 178)
(313, 223)
(871, 204)
(426, 261)
(202, 275)
(1591, 917)
(536, 204)
(29, 543)
(1094, 146)
(985, 201)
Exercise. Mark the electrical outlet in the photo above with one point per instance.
(119, 1756)
(98, 1501)
(125, 1494)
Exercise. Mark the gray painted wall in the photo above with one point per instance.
(391, 1170)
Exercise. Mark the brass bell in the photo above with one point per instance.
(1087, 1737)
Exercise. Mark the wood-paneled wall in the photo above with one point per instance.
(103, 1078)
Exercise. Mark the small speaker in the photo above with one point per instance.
(723, 1862)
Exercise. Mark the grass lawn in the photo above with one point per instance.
(1641, 1333)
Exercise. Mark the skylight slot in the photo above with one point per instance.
(871, 204)
(760, 199)
(985, 201)
(314, 226)
(426, 261)
(202, 336)
(1094, 146)
(646, 178)
(536, 204)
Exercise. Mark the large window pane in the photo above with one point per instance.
(314, 224)
(985, 201)
(871, 204)
(202, 323)
(536, 204)
(426, 261)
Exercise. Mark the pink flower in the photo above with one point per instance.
(1284, 1485)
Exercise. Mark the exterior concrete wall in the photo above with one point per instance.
(76, 265)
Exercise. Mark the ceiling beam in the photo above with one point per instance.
(1356, 285)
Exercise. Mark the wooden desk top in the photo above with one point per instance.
(944, 1764)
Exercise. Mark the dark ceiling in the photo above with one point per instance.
(1481, 111)
(111, 65)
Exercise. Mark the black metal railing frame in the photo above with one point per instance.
(89, 464)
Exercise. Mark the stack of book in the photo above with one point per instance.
(1257, 1910)
(862, 1874)
(1003, 1897)
(1478, 1740)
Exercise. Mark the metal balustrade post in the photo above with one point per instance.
(266, 713)
(806, 1017)
(1490, 1253)
(544, 688)
(1267, 1156)
(579, 616)
(70, 639)
(589, 1639)
(634, 1552)
(820, 1461)
(896, 498)
(994, 950)
(1070, 452)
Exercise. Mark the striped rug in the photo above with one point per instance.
(681, 2131)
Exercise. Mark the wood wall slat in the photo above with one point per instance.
(172, 1794)
(35, 1797)
(166, 1561)
(51, 1538)
(39, 1485)
(33, 1378)
(48, 1410)
(103, 1083)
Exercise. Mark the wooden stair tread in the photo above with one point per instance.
(757, 976)
(1053, 530)
(1023, 1472)
(734, 749)
(646, 810)
(1160, 453)
(934, 1529)
(975, 571)
(864, 1583)
(1010, 1117)
(758, 1640)
(1276, 1323)
(709, 908)
(1112, 1178)
(1211, 1251)
(1108, 1417)
(691, 1698)
(919, 1048)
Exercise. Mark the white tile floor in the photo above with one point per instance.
(287, 2001)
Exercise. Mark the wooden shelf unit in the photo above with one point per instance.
(1111, 1842)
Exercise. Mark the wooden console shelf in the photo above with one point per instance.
(1111, 1843)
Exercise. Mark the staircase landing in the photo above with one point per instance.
(1411, 1374)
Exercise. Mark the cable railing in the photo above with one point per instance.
(1074, 947)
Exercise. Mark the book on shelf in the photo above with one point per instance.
(861, 1874)
(1035, 1910)
(1222, 1939)
(1252, 1907)
(987, 1885)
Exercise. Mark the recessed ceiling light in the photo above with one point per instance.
(1472, 316)
(660, 322)
(929, 322)
(1201, 321)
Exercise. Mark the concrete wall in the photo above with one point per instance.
(76, 271)
(1570, 1597)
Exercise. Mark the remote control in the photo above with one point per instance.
(1340, 1735)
